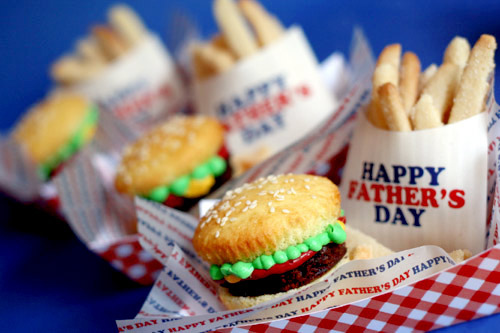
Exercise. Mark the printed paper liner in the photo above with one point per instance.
(464, 292)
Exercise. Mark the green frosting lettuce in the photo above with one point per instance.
(334, 233)
(72, 146)
(215, 166)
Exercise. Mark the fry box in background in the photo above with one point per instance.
(270, 99)
(141, 87)
(422, 187)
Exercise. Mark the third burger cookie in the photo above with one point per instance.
(175, 163)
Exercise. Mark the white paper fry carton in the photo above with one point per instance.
(141, 87)
(270, 99)
(427, 184)
(416, 289)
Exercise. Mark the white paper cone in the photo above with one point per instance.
(417, 188)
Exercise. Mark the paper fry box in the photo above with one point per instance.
(141, 87)
(270, 99)
(420, 187)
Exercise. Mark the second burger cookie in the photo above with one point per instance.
(175, 163)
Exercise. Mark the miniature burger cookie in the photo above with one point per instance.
(53, 130)
(182, 159)
(272, 236)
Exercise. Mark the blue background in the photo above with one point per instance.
(49, 281)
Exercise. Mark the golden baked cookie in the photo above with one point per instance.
(53, 130)
(266, 216)
(176, 157)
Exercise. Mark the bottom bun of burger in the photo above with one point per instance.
(274, 236)
(232, 302)
(357, 241)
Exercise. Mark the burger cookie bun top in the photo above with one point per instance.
(49, 125)
(169, 151)
(266, 216)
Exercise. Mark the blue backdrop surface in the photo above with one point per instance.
(49, 281)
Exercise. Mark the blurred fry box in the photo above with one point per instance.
(140, 88)
(427, 186)
(270, 99)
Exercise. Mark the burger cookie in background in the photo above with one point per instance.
(55, 129)
(176, 163)
(276, 235)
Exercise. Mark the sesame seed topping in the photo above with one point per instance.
(272, 210)
(262, 193)
(286, 211)
(307, 187)
(237, 204)
(245, 209)
(313, 196)
(248, 202)
(270, 203)
(232, 219)
(307, 179)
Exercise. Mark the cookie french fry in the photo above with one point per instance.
(361, 252)
(457, 52)
(392, 108)
(473, 87)
(243, 162)
(424, 114)
(442, 88)
(234, 28)
(386, 71)
(70, 69)
(408, 83)
(89, 51)
(201, 69)
(266, 27)
(109, 42)
(460, 255)
(127, 24)
(220, 42)
(425, 77)
(217, 59)
(391, 54)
